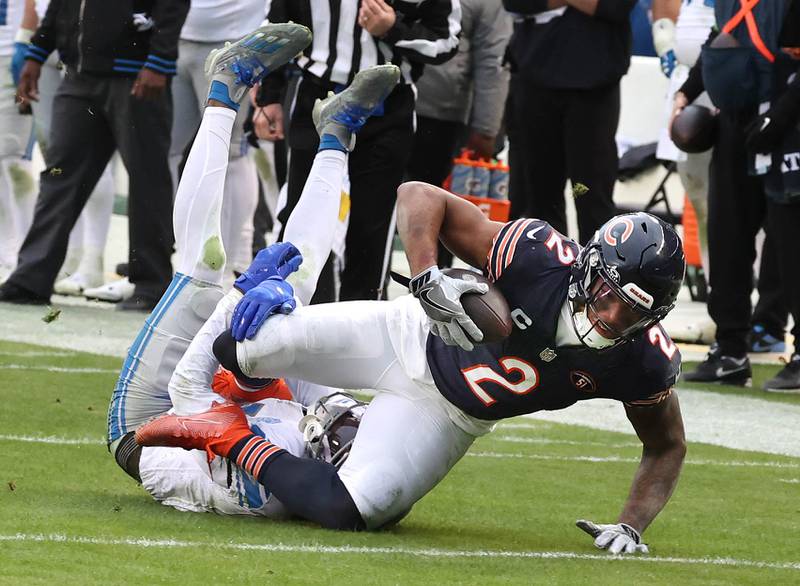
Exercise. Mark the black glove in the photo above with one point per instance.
(766, 132)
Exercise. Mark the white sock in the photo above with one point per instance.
(198, 200)
(238, 207)
(312, 225)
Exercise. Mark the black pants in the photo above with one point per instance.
(771, 309)
(376, 168)
(556, 134)
(93, 117)
(435, 146)
(783, 221)
(737, 208)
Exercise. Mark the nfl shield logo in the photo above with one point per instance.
(547, 355)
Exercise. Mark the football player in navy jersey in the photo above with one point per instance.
(586, 325)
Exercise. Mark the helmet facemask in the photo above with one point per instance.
(603, 313)
(330, 427)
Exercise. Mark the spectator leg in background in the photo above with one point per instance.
(81, 145)
(736, 208)
(590, 125)
(17, 185)
(772, 306)
(782, 223)
(376, 169)
(435, 143)
(539, 156)
(142, 133)
(694, 177)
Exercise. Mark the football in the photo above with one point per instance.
(694, 130)
(489, 311)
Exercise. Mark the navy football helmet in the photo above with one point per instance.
(636, 258)
(330, 427)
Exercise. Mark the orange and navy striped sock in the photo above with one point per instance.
(254, 453)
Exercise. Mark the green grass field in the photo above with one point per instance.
(505, 515)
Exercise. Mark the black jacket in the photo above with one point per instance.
(573, 50)
(111, 37)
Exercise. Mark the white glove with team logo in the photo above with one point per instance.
(440, 297)
(619, 538)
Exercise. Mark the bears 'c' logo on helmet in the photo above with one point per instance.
(582, 381)
(612, 234)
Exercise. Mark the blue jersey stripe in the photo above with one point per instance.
(117, 425)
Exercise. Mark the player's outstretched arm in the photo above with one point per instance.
(660, 427)
(426, 214)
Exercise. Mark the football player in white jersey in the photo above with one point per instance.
(17, 185)
(170, 353)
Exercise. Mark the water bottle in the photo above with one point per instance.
(461, 180)
(481, 177)
(498, 186)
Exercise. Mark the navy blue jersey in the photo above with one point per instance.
(529, 261)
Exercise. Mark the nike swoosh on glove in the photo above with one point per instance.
(440, 297)
(277, 260)
(617, 539)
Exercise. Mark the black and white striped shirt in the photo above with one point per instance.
(426, 31)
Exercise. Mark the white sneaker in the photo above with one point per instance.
(113, 292)
(77, 283)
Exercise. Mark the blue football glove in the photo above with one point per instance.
(18, 60)
(668, 62)
(271, 296)
(277, 260)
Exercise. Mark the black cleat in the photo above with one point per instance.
(11, 293)
(787, 380)
(717, 368)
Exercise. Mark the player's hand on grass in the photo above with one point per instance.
(617, 539)
(271, 296)
(277, 260)
(440, 297)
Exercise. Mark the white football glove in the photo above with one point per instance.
(619, 538)
(440, 297)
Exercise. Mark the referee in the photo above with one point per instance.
(351, 35)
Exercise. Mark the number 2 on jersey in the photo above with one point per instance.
(481, 373)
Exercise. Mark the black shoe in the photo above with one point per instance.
(137, 303)
(717, 368)
(787, 380)
(11, 293)
(122, 269)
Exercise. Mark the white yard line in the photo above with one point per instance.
(144, 542)
(36, 354)
(54, 440)
(618, 459)
(60, 369)
(731, 421)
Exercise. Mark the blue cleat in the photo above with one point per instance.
(236, 67)
(762, 341)
(339, 116)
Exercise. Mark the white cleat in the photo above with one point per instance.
(113, 292)
(238, 66)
